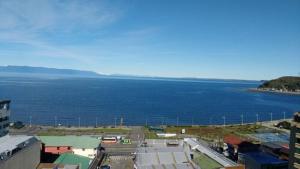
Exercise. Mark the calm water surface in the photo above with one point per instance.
(141, 101)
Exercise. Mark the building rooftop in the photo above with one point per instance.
(232, 139)
(72, 159)
(72, 141)
(221, 159)
(9, 143)
(271, 145)
(56, 166)
(264, 158)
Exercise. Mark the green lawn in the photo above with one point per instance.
(205, 162)
(82, 131)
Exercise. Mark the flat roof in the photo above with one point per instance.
(8, 143)
(73, 159)
(264, 158)
(87, 142)
(272, 145)
(221, 159)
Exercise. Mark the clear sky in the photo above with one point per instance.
(240, 39)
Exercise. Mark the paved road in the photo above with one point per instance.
(137, 134)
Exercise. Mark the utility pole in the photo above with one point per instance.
(30, 119)
(121, 122)
(78, 122)
(146, 122)
(242, 119)
(55, 121)
(224, 120)
(177, 121)
(256, 117)
(271, 115)
(284, 115)
(96, 122)
(115, 122)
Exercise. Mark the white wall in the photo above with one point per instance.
(91, 153)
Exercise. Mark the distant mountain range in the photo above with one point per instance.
(43, 71)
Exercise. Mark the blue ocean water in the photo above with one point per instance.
(107, 100)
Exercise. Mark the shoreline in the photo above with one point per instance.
(128, 127)
(273, 91)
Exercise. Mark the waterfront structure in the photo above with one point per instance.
(294, 157)
(81, 145)
(4, 117)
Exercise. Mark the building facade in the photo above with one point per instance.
(294, 157)
(4, 117)
(80, 145)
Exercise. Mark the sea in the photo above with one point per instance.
(126, 101)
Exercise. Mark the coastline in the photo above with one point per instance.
(273, 91)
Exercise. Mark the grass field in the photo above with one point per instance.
(82, 131)
(211, 133)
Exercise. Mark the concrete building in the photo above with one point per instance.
(4, 117)
(294, 157)
(19, 152)
(16, 152)
(81, 145)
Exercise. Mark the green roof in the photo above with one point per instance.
(72, 159)
(73, 141)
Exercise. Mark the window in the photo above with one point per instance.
(69, 148)
(57, 148)
(83, 149)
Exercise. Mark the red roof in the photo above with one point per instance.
(285, 145)
(232, 139)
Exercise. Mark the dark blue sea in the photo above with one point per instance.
(106, 100)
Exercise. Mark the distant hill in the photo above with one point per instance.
(42, 71)
(286, 83)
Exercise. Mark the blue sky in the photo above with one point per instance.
(240, 39)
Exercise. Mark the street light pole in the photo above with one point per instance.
(242, 119)
(78, 122)
(224, 120)
(96, 122)
(271, 115)
(55, 121)
(30, 119)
